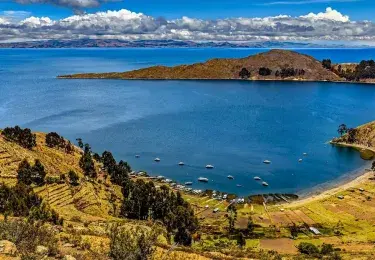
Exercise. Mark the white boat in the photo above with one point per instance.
(181, 163)
(300, 160)
(202, 179)
(188, 183)
(137, 156)
(257, 178)
(239, 185)
(265, 183)
(267, 161)
(209, 166)
(157, 159)
(230, 177)
(304, 154)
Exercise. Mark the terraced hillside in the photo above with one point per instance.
(92, 200)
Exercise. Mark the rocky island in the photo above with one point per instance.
(272, 65)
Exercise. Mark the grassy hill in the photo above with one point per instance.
(275, 60)
(89, 200)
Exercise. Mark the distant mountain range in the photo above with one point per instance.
(92, 43)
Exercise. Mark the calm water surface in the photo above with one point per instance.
(232, 125)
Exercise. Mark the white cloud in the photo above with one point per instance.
(329, 14)
(127, 25)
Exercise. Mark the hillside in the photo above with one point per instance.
(284, 65)
(90, 200)
(361, 138)
(90, 209)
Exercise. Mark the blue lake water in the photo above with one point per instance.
(231, 125)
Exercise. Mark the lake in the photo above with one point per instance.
(234, 126)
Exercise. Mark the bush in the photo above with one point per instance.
(73, 178)
(327, 249)
(137, 243)
(244, 74)
(26, 236)
(55, 140)
(308, 248)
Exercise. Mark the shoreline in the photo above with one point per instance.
(331, 188)
(214, 79)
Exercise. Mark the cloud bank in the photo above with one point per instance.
(330, 25)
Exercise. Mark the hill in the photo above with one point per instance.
(271, 65)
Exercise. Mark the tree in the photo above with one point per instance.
(244, 73)
(352, 135)
(264, 71)
(293, 230)
(23, 137)
(69, 148)
(24, 173)
(109, 161)
(38, 173)
(97, 157)
(327, 64)
(79, 142)
(183, 237)
(232, 216)
(327, 249)
(241, 241)
(250, 225)
(73, 178)
(86, 162)
(53, 139)
(342, 129)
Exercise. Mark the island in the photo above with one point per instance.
(281, 65)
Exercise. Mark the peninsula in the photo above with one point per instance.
(283, 65)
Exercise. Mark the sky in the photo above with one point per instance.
(196, 20)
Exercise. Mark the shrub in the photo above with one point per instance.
(326, 249)
(55, 140)
(137, 243)
(26, 236)
(308, 248)
(244, 74)
(73, 178)
(28, 174)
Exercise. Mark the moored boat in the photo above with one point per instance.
(230, 177)
(209, 166)
(188, 183)
(157, 159)
(202, 179)
(181, 163)
(257, 178)
(265, 183)
(267, 161)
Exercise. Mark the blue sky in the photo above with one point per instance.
(350, 21)
(209, 9)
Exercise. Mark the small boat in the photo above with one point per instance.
(300, 160)
(230, 177)
(239, 185)
(267, 161)
(209, 166)
(257, 178)
(157, 159)
(137, 156)
(181, 163)
(265, 184)
(304, 154)
(201, 179)
(188, 183)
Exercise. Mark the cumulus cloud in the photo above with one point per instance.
(127, 25)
